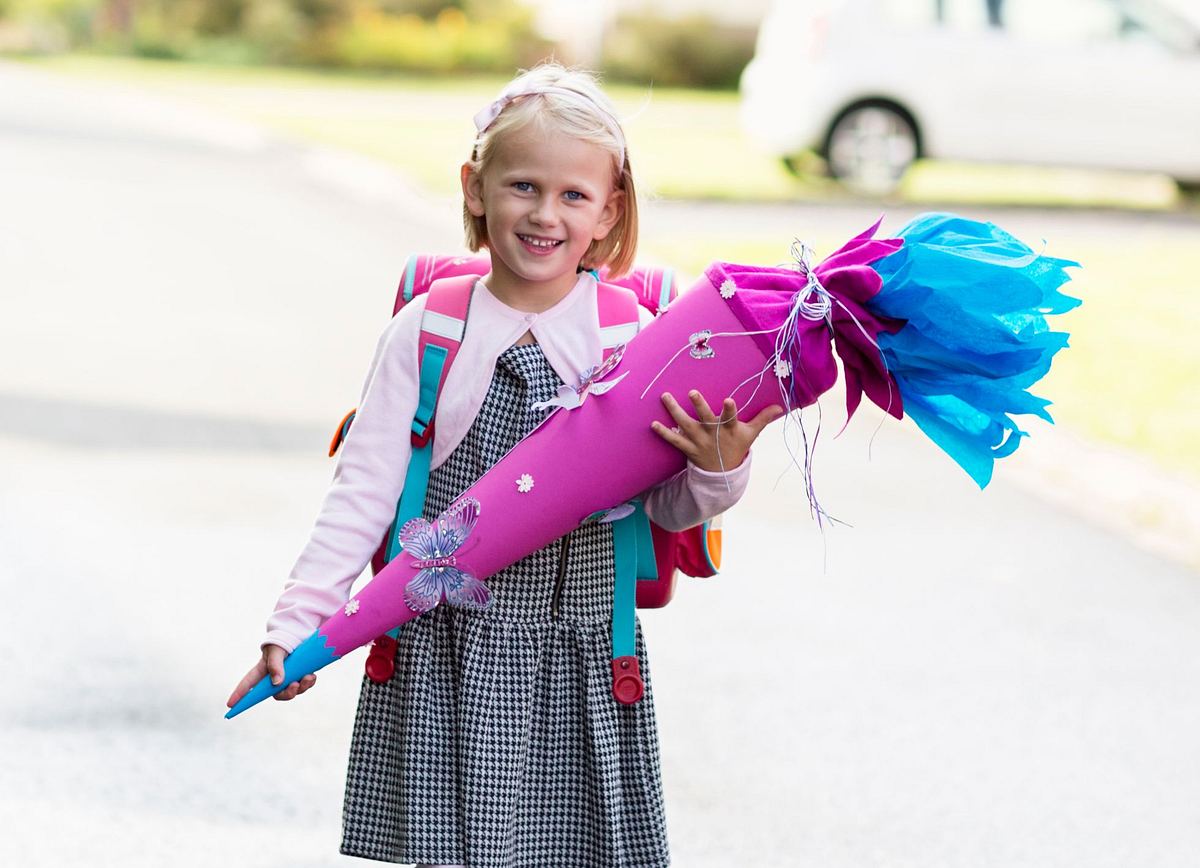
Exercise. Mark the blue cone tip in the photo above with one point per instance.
(309, 656)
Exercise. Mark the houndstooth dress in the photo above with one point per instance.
(497, 743)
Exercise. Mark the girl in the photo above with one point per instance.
(497, 741)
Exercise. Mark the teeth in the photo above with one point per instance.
(536, 242)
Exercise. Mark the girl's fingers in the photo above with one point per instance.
(249, 680)
(681, 416)
(703, 412)
(274, 657)
(271, 663)
(765, 418)
(241, 688)
(296, 688)
(674, 437)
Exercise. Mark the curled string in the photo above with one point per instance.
(721, 458)
(801, 255)
(721, 418)
(663, 369)
(812, 303)
(688, 346)
(795, 422)
(802, 261)
(759, 377)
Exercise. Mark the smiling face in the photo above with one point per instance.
(545, 198)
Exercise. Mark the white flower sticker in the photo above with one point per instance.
(525, 483)
(782, 368)
(728, 288)
(351, 608)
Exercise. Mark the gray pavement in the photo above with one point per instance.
(960, 679)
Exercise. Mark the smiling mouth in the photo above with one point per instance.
(539, 243)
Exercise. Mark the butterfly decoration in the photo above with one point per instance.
(570, 397)
(698, 345)
(433, 546)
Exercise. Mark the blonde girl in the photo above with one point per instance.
(497, 742)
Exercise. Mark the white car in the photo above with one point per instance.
(871, 85)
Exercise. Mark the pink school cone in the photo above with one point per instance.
(604, 452)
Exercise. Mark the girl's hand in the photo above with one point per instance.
(697, 437)
(272, 662)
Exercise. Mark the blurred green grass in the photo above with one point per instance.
(1130, 377)
(1132, 373)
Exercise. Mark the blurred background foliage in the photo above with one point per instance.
(417, 70)
(688, 51)
(415, 36)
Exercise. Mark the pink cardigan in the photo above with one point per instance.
(369, 475)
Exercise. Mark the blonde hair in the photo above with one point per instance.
(590, 119)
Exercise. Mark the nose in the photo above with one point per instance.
(545, 211)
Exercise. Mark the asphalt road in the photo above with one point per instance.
(959, 679)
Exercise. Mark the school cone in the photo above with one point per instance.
(763, 336)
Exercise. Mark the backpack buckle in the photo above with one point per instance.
(420, 441)
(627, 680)
(381, 662)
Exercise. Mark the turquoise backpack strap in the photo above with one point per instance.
(647, 563)
(443, 323)
(617, 308)
(416, 480)
(407, 279)
(664, 292)
(627, 686)
(634, 561)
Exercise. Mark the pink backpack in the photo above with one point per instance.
(448, 281)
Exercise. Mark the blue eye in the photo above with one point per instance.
(523, 186)
(574, 195)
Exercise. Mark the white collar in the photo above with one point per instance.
(584, 285)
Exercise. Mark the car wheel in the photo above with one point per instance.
(870, 146)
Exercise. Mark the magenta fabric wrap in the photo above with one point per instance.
(764, 297)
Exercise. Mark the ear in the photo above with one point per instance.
(472, 187)
(614, 207)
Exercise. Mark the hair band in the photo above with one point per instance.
(486, 116)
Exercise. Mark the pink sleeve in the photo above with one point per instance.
(693, 495)
(367, 481)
